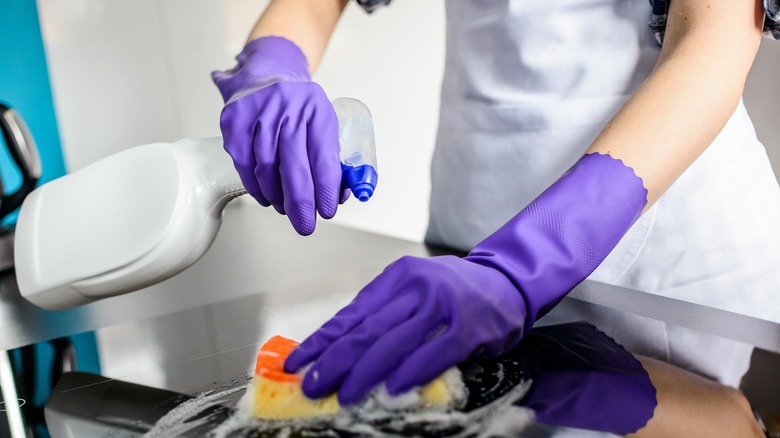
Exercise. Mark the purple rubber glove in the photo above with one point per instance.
(422, 316)
(282, 133)
(584, 379)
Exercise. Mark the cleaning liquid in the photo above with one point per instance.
(358, 149)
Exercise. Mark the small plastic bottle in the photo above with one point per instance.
(358, 149)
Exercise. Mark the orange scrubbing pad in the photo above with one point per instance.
(277, 394)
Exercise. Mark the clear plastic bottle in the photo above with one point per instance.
(358, 149)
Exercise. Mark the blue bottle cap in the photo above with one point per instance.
(361, 180)
(363, 191)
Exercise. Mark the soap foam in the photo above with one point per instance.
(501, 418)
(380, 415)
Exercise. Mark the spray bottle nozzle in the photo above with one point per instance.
(361, 180)
(358, 152)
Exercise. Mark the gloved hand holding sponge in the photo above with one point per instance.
(420, 316)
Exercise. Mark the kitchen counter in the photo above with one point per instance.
(260, 278)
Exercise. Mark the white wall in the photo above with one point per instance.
(131, 72)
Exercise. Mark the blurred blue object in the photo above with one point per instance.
(24, 85)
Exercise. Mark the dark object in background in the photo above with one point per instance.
(24, 153)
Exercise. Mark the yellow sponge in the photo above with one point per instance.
(278, 395)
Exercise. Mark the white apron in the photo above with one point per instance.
(528, 85)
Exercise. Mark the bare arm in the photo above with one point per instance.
(693, 90)
(307, 23)
(690, 405)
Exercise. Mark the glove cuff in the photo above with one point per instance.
(262, 62)
(565, 233)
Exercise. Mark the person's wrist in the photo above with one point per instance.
(279, 50)
(599, 196)
(263, 62)
(566, 232)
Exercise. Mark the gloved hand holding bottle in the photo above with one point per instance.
(282, 132)
(422, 316)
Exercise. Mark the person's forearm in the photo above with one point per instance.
(307, 23)
(692, 92)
